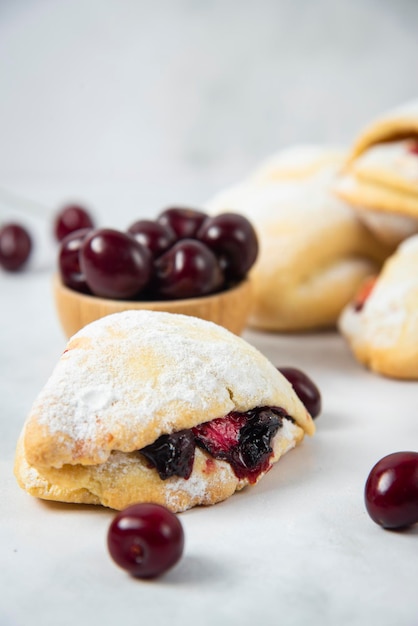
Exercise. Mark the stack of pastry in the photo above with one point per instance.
(380, 176)
(380, 181)
(314, 250)
(327, 220)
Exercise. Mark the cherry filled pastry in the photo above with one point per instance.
(157, 407)
(380, 176)
(381, 323)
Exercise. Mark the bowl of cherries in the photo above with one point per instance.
(183, 261)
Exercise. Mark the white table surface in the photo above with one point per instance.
(131, 106)
(298, 548)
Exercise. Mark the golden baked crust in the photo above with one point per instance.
(128, 378)
(383, 334)
(314, 251)
(381, 174)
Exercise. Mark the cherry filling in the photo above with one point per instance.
(172, 455)
(413, 147)
(241, 439)
(363, 293)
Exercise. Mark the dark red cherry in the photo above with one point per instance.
(391, 492)
(233, 239)
(304, 387)
(172, 455)
(155, 236)
(114, 264)
(146, 540)
(183, 221)
(187, 270)
(69, 261)
(15, 247)
(70, 218)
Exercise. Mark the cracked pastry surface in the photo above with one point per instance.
(380, 177)
(382, 327)
(129, 379)
(314, 251)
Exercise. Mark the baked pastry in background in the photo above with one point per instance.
(380, 177)
(381, 323)
(157, 407)
(314, 251)
(298, 162)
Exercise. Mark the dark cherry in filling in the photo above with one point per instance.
(241, 439)
(172, 455)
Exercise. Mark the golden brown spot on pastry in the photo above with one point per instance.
(82, 343)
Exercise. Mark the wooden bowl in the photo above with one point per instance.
(229, 308)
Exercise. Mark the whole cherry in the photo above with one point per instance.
(146, 540)
(70, 218)
(187, 270)
(232, 238)
(15, 246)
(155, 236)
(115, 264)
(391, 491)
(69, 260)
(184, 222)
(305, 389)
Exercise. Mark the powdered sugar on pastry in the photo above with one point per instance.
(130, 377)
(384, 332)
(269, 202)
(382, 318)
(125, 380)
(409, 246)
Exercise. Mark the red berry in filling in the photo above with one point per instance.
(153, 235)
(304, 387)
(363, 293)
(187, 270)
(71, 218)
(114, 263)
(242, 439)
(146, 540)
(69, 261)
(391, 492)
(184, 222)
(233, 240)
(15, 247)
(220, 435)
(413, 147)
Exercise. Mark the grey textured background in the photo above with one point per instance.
(140, 103)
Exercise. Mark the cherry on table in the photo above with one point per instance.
(146, 540)
(70, 218)
(391, 491)
(15, 246)
(304, 387)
